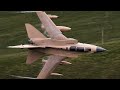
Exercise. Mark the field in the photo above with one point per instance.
(87, 27)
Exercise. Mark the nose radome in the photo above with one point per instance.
(100, 49)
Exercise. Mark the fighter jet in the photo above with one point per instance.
(57, 46)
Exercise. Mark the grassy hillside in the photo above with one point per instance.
(86, 27)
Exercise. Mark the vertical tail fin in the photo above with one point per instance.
(33, 32)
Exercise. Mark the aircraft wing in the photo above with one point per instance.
(26, 46)
(52, 62)
(50, 27)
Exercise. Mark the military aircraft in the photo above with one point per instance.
(56, 45)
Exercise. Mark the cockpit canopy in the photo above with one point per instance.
(80, 49)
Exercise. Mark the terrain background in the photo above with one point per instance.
(87, 27)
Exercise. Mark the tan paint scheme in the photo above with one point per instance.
(50, 65)
(57, 46)
(33, 32)
(32, 56)
(50, 27)
(53, 42)
(58, 52)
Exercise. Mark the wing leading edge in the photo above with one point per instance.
(52, 62)
(50, 27)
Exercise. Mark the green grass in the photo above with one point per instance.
(86, 27)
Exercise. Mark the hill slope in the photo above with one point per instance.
(86, 27)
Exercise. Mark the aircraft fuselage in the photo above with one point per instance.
(70, 50)
(70, 44)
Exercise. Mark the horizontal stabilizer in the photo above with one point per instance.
(32, 56)
(33, 32)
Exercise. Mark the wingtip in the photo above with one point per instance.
(10, 47)
(40, 11)
(27, 24)
(22, 77)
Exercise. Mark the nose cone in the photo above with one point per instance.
(100, 49)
